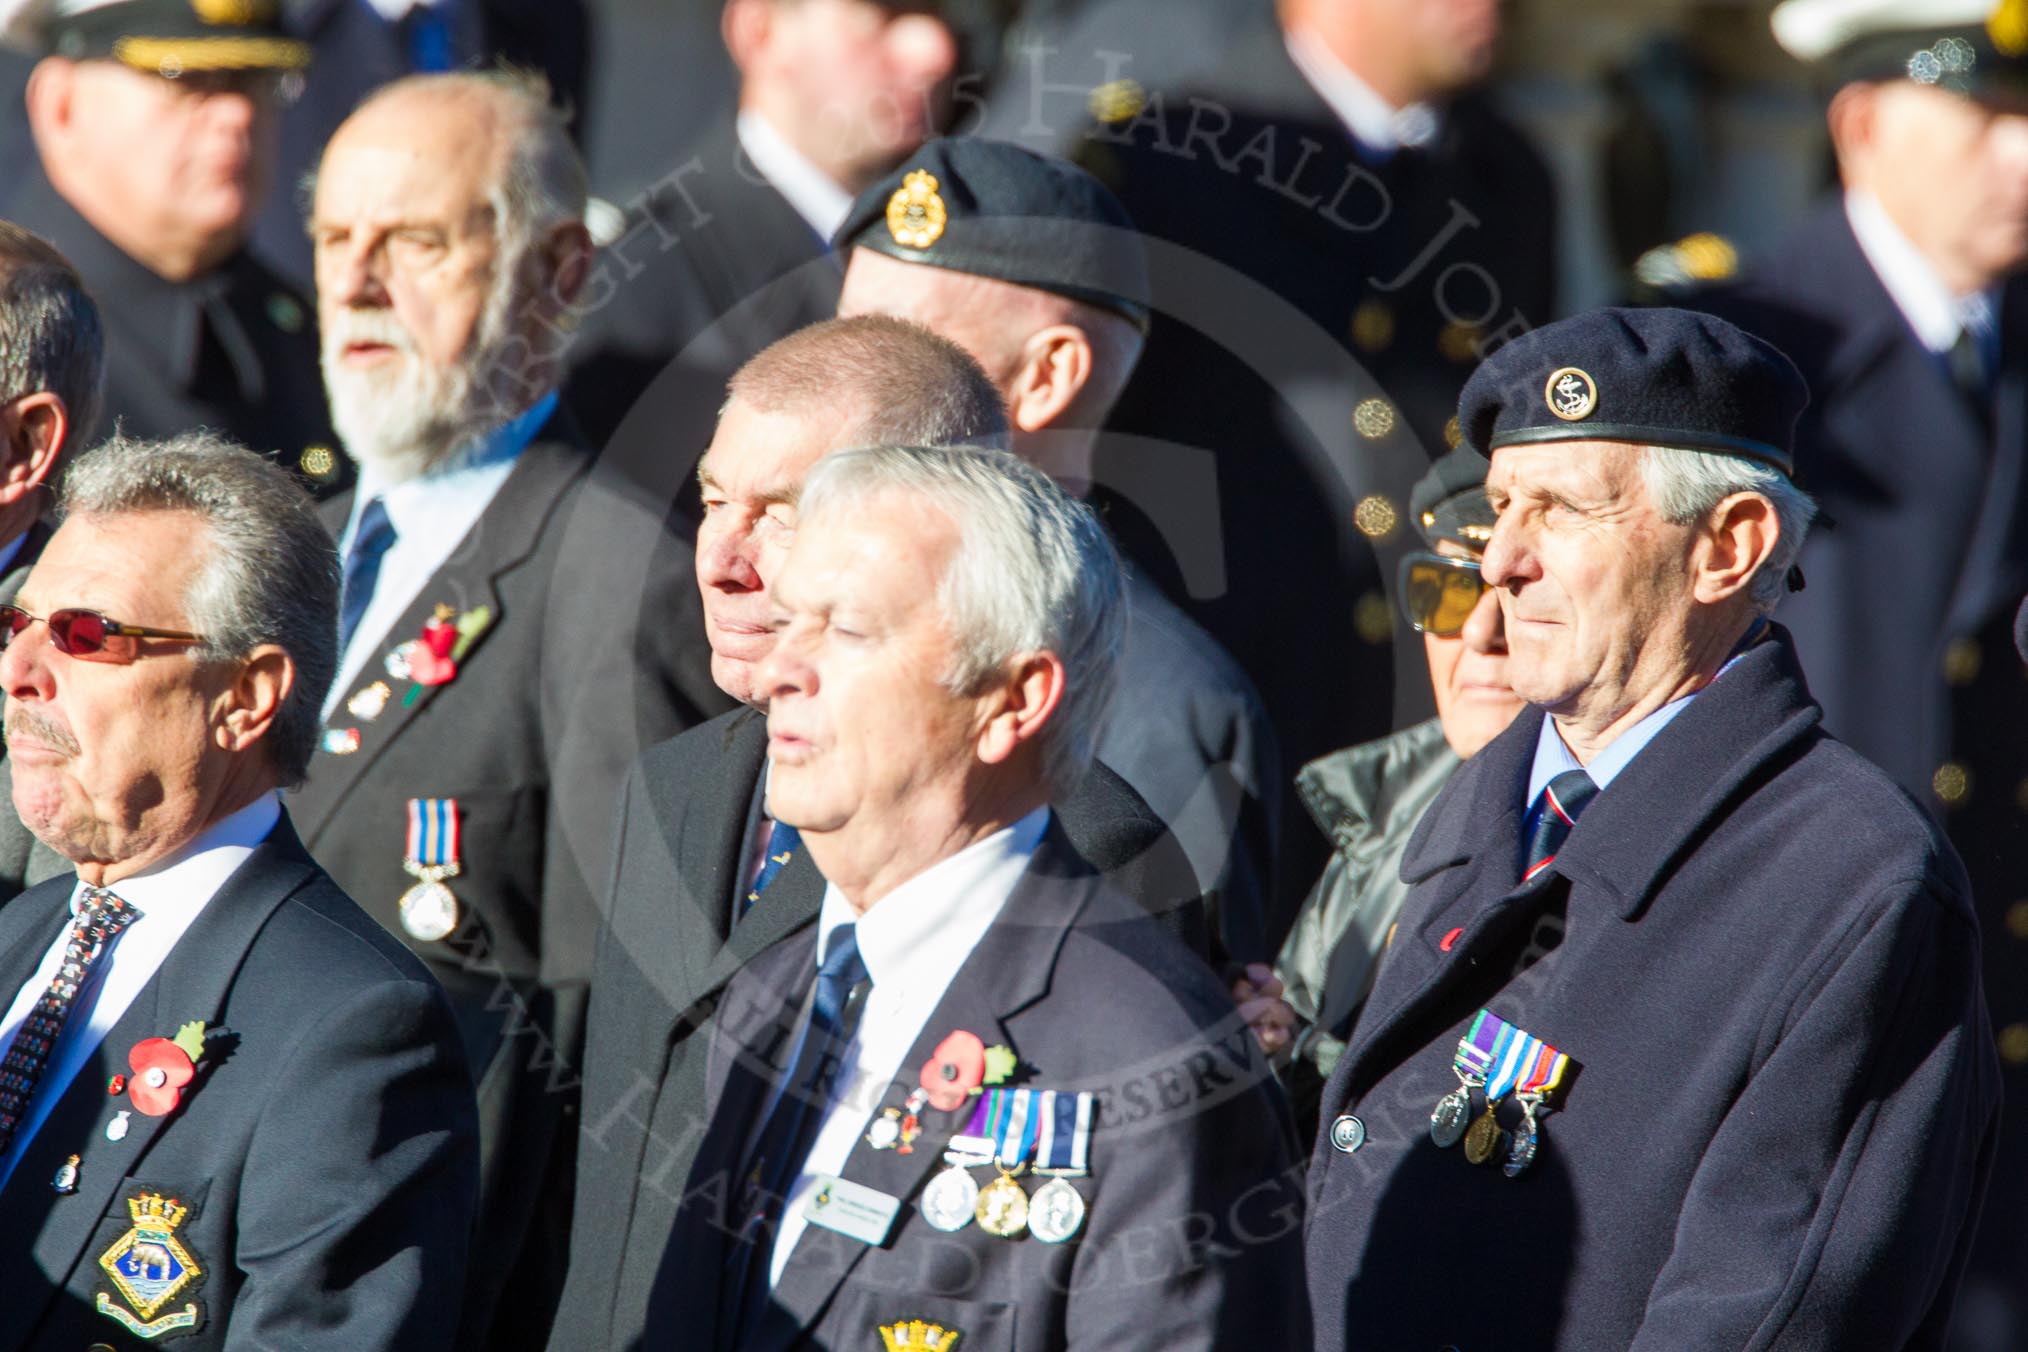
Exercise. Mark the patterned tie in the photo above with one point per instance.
(100, 918)
(373, 539)
(783, 840)
(1563, 798)
(791, 1128)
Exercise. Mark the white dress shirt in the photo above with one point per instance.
(822, 204)
(913, 941)
(169, 897)
(430, 514)
(1933, 310)
(1378, 126)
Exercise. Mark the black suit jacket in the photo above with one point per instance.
(327, 1152)
(669, 951)
(595, 650)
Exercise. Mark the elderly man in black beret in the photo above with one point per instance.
(1679, 1041)
(1033, 266)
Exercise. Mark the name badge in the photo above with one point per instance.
(853, 1210)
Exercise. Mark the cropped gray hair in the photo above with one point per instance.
(1685, 485)
(51, 339)
(271, 574)
(1034, 571)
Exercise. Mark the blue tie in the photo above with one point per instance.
(784, 1140)
(782, 842)
(370, 542)
(1563, 798)
(429, 39)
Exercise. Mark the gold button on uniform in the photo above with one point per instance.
(2013, 1042)
(1373, 618)
(1117, 100)
(1952, 783)
(1376, 517)
(2017, 920)
(1373, 326)
(1961, 661)
(1374, 418)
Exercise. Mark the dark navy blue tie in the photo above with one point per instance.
(1563, 798)
(783, 839)
(791, 1128)
(370, 543)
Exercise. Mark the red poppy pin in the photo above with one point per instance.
(162, 1067)
(959, 1065)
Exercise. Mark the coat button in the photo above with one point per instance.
(1348, 1133)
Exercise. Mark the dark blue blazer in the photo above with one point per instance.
(1762, 958)
(327, 1151)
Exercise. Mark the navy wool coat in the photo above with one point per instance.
(1763, 960)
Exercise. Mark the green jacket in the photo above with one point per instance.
(1367, 799)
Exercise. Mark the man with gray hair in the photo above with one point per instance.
(515, 626)
(924, 1050)
(1679, 1036)
(52, 381)
(231, 1104)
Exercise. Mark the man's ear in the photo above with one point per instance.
(745, 25)
(1028, 698)
(567, 257)
(1738, 539)
(33, 429)
(1852, 117)
(50, 96)
(1056, 365)
(251, 703)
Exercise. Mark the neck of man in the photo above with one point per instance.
(1065, 454)
(1357, 45)
(1593, 723)
(867, 863)
(246, 780)
(1958, 275)
(775, 107)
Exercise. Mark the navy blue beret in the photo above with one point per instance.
(1653, 377)
(994, 209)
(1449, 501)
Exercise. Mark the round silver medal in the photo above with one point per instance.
(1522, 1153)
(948, 1201)
(429, 912)
(1453, 1112)
(1055, 1212)
(396, 662)
(884, 1134)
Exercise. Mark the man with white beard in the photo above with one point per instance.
(515, 627)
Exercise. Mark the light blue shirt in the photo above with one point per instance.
(430, 514)
(169, 897)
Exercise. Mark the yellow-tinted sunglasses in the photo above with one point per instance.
(1439, 593)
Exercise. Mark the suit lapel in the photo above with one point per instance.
(504, 536)
(193, 983)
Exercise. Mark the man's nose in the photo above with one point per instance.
(786, 669)
(25, 670)
(725, 560)
(1503, 562)
(1486, 627)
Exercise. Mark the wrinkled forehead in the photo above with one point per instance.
(1594, 468)
(137, 567)
(411, 157)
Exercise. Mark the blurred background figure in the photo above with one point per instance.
(1368, 799)
(154, 124)
(1901, 300)
(1358, 227)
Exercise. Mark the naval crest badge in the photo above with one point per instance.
(915, 214)
(918, 1335)
(150, 1267)
(1571, 394)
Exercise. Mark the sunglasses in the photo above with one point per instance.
(87, 634)
(1438, 594)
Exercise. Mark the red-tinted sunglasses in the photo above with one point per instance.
(87, 634)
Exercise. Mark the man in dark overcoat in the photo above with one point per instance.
(1679, 1041)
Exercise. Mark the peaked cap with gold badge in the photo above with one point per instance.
(994, 209)
(1975, 47)
(171, 36)
(1652, 377)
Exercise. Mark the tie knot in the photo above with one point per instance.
(101, 913)
(1569, 794)
(842, 963)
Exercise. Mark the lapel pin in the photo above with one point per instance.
(65, 1181)
(116, 1130)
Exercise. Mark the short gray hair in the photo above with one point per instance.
(51, 339)
(271, 575)
(1034, 571)
(1685, 485)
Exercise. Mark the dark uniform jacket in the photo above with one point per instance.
(325, 1156)
(1761, 957)
(595, 649)
(234, 350)
(1316, 318)
(669, 951)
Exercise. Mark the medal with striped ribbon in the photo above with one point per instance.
(1482, 1138)
(1470, 1063)
(1539, 1083)
(429, 910)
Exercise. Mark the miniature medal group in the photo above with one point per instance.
(1041, 1132)
(1495, 1059)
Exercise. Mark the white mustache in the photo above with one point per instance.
(367, 326)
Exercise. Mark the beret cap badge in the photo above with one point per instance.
(915, 214)
(1570, 393)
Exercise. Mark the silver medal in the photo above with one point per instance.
(1453, 1112)
(1056, 1212)
(429, 911)
(948, 1201)
(1527, 1140)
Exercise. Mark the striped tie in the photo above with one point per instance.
(100, 918)
(1563, 798)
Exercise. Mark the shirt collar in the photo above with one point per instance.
(412, 504)
(822, 204)
(942, 910)
(194, 873)
(1936, 313)
(1375, 123)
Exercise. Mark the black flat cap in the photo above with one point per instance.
(1653, 377)
(993, 209)
(1449, 501)
(1973, 47)
(172, 36)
